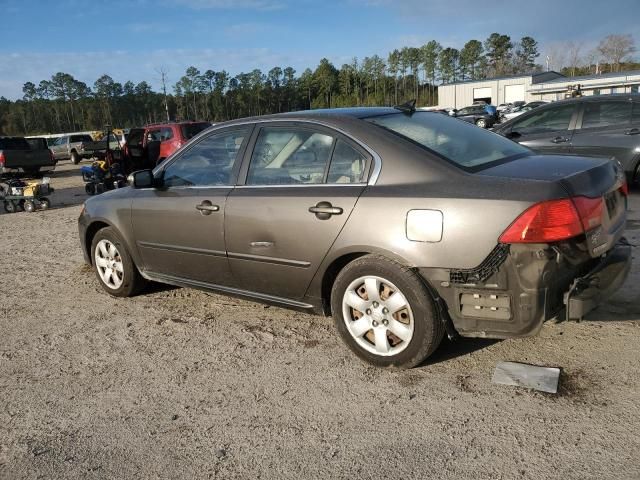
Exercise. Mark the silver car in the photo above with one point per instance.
(404, 225)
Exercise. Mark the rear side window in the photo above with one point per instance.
(81, 138)
(288, 156)
(545, 120)
(606, 114)
(190, 130)
(166, 134)
(347, 164)
(37, 143)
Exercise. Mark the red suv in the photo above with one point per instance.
(149, 145)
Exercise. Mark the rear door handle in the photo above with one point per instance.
(632, 131)
(560, 140)
(207, 208)
(324, 210)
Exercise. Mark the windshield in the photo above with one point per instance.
(461, 143)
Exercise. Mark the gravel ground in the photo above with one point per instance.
(177, 383)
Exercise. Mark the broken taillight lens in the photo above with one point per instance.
(555, 220)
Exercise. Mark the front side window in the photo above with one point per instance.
(288, 156)
(208, 163)
(166, 134)
(546, 120)
(606, 114)
(461, 143)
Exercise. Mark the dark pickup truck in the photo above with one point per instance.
(17, 154)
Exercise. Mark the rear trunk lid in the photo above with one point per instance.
(591, 177)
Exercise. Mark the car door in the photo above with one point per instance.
(179, 227)
(59, 148)
(469, 114)
(546, 129)
(301, 182)
(605, 129)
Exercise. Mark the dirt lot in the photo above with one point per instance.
(178, 383)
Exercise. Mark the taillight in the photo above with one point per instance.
(555, 220)
(590, 211)
(1, 159)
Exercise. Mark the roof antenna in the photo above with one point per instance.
(408, 107)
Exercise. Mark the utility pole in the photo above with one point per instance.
(163, 76)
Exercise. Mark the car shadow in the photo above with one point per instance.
(450, 349)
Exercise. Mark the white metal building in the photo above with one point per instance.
(622, 82)
(548, 86)
(494, 91)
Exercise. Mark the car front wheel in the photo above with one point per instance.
(384, 313)
(481, 122)
(113, 265)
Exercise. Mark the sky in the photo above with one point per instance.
(134, 39)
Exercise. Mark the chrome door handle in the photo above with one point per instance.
(324, 210)
(560, 140)
(206, 207)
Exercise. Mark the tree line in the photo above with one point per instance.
(64, 103)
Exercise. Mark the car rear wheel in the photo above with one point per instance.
(481, 122)
(75, 158)
(113, 265)
(384, 313)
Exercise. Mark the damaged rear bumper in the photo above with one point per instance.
(587, 292)
(519, 287)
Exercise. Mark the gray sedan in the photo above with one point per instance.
(404, 225)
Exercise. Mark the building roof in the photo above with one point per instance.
(595, 77)
(536, 77)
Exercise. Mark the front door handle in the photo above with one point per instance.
(632, 131)
(207, 208)
(324, 210)
(560, 140)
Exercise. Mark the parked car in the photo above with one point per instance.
(151, 144)
(504, 107)
(17, 154)
(71, 147)
(607, 125)
(484, 116)
(403, 225)
(517, 111)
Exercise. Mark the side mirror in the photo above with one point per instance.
(142, 179)
(513, 135)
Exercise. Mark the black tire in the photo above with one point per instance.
(90, 188)
(132, 282)
(75, 158)
(45, 203)
(29, 206)
(9, 206)
(428, 330)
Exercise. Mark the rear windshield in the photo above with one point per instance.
(13, 143)
(81, 138)
(37, 143)
(458, 142)
(190, 130)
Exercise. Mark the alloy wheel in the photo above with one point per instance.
(109, 264)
